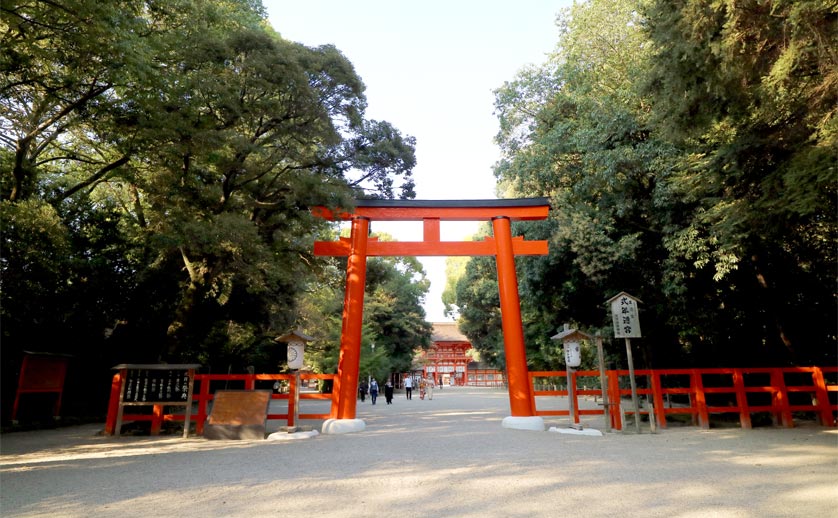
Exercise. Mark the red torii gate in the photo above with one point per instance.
(503, 246)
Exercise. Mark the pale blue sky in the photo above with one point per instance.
(430, 67)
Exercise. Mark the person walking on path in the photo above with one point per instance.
(408, 387)
(388, 392)
(429, 387)
(373, 390)
(362, 391)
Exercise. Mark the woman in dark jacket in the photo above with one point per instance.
(362, 391)
(388, 392)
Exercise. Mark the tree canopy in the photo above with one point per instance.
(688, 150)
(157, 163)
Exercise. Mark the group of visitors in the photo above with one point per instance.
(426, 387)
(372, 388)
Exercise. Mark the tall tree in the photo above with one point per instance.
(479, 305)
(749, 93)
(680, 171)
(68, 68)
(576, 130)
(179, 144)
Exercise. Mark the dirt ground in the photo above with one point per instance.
(449, 457)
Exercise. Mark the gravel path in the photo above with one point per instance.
(448, 457)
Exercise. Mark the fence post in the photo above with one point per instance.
(333, 408)
(113, 403)
(293, 399)
(615, 400)
(532, 390)
(824, 412)
(202, 404)
(780, 398)
(157, 419)
(603, 384)
(742, 399)
(700, 399)
(657, 395)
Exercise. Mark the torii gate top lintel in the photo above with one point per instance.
(431, 212)
(444, 210)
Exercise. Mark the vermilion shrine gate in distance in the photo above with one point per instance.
(502, 245)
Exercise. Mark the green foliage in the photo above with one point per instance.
(392, 308)
(752, 107)
(576, 130)
(63, 289)
(320, 315)
(157, 164)
(455, 268)
(35, 252)
(394, 320)
(688, 150)
(478, 301)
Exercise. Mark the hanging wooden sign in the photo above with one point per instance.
(624, 316)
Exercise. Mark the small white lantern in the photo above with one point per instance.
(572, 343)
(571, 340)
(296, 348)
(295, 354)
(572, 354)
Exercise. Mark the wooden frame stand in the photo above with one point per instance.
(154, 385)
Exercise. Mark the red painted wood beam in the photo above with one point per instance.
(346, 382)
(430, 230)
(377, 248)
(443, 210)
(520, 390)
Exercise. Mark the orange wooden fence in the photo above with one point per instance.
(700, 393)
(486, 378)
(207, 384)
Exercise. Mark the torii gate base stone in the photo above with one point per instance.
(502, 245)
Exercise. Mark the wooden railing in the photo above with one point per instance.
(480, 378)
(207, 384)
(697, 393)
(700, 393)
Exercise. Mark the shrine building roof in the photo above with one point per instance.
(447, 332)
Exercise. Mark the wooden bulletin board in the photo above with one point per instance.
(155, 385)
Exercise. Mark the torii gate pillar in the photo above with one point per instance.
(503, 246)
(520, 398)
(349, 360)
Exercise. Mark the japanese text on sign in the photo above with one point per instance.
(625, 318)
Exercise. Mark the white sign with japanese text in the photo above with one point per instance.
(625, 317)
